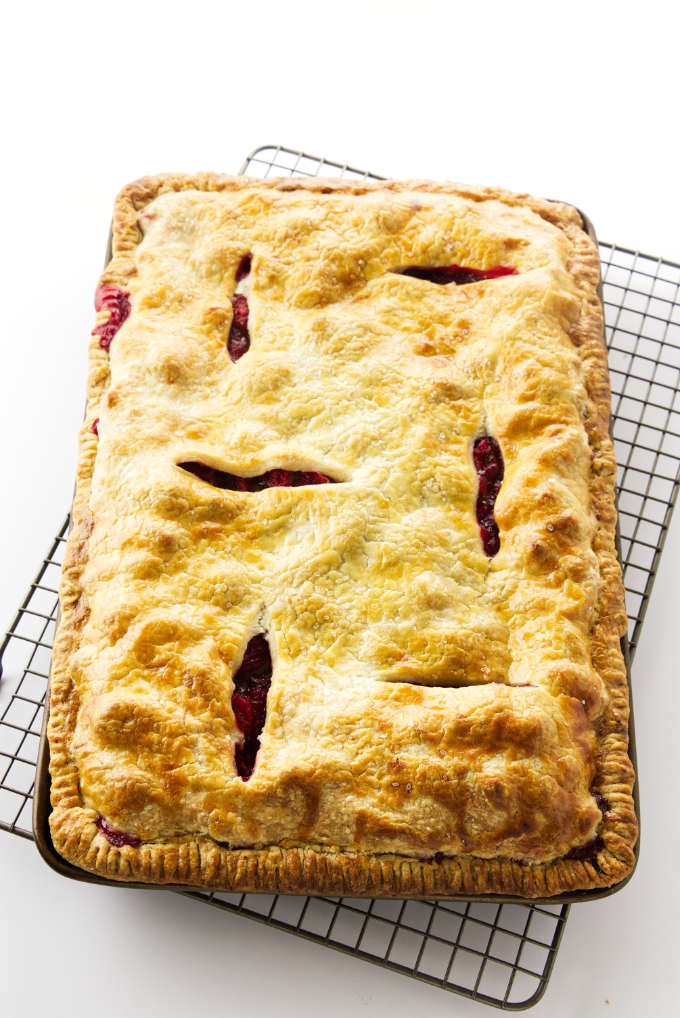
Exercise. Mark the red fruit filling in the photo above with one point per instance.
(117, 303)
(269, 479)
(459, 274)
(238, 341)
(602, 803)
(249, 702)
(587, 852)
(117, 838)
(488, 461)
(95, 426)
(239, 337)
(243, 269)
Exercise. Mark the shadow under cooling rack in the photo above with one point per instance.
(501, 954)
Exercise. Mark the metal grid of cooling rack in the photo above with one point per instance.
(501, 954)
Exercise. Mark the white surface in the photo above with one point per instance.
(95, 97)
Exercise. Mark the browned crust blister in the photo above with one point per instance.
(201, 861)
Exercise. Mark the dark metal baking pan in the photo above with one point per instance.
(42, 808)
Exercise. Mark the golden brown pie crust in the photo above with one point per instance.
(439, 723)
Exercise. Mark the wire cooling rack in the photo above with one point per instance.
(501, 954)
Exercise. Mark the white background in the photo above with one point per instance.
(577, 101)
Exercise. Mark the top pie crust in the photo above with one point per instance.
(439, 722)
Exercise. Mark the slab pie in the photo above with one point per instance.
(341, 610)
